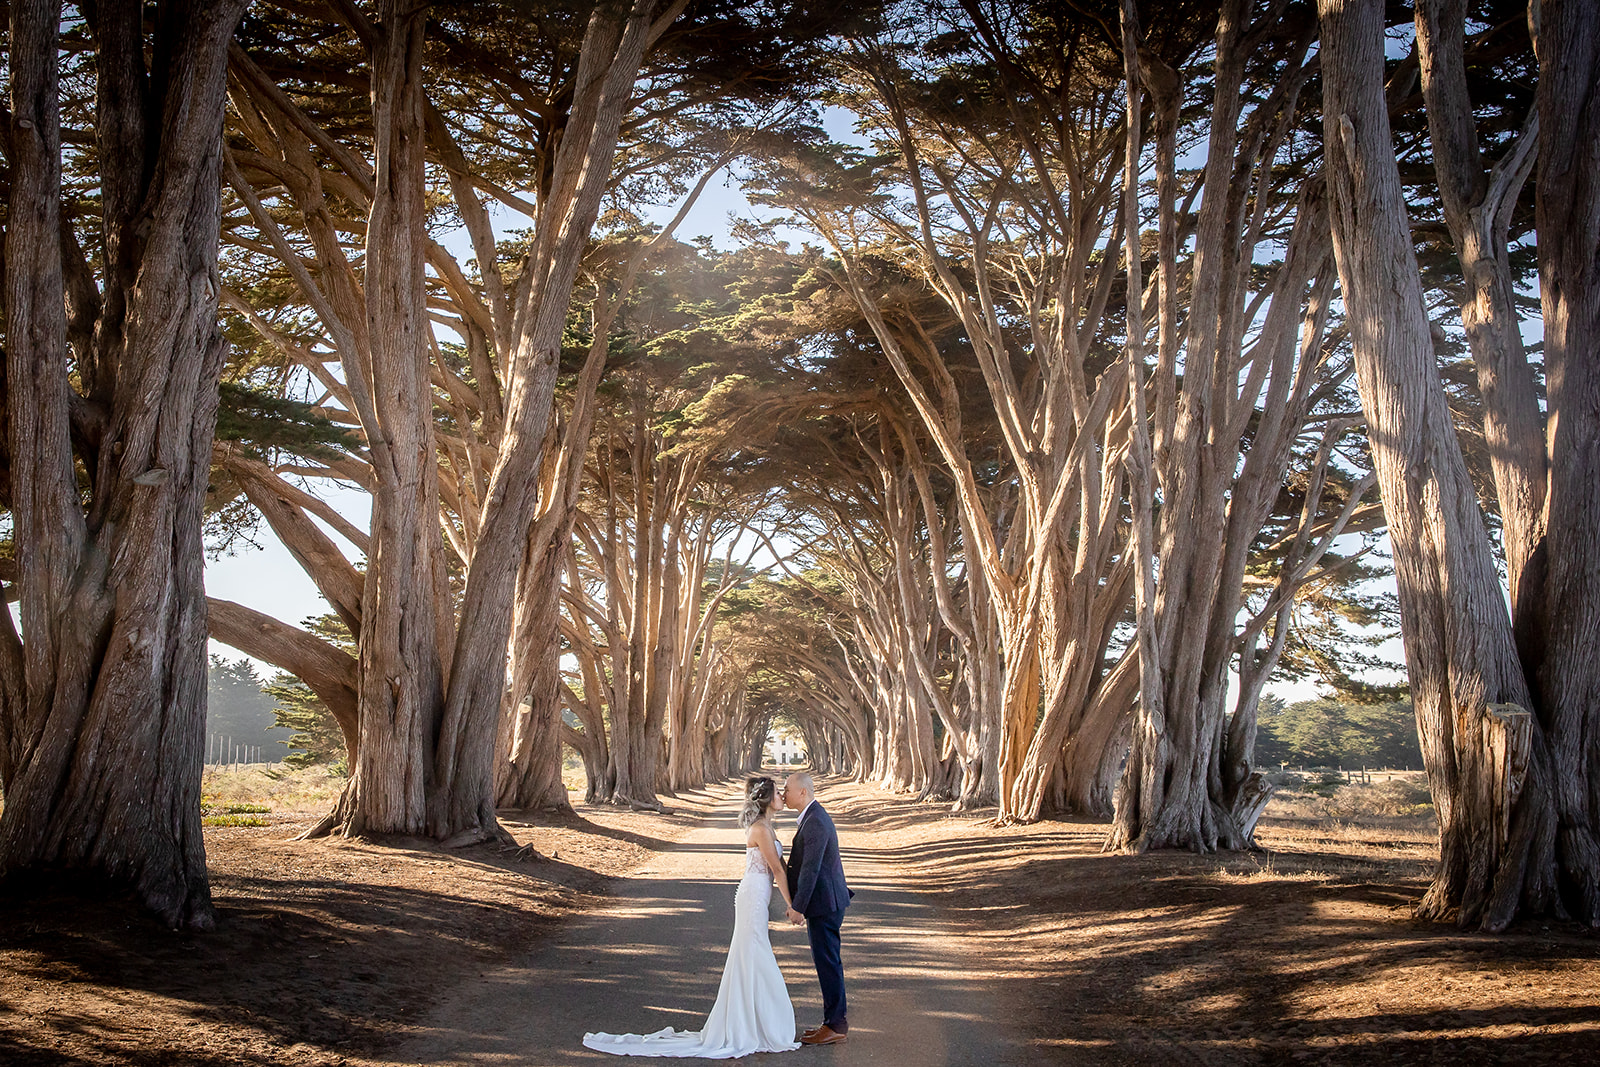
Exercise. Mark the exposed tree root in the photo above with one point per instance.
(322, 827)
(527, 853)
(481, 834)
(620, 800)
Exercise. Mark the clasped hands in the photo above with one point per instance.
(794, 917)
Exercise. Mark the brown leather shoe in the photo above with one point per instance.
(822, 1035)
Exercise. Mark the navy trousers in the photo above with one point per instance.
(823, 932)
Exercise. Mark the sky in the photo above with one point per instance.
(269, 580)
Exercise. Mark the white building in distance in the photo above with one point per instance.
(784, 748)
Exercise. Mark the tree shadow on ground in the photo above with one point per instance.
(294, 960)
(1304, 953)
(576, 821)
(321, 949)
(599, 819)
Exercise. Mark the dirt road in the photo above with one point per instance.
(653, 957)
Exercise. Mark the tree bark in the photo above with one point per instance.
(1477, 208)
(1486, 757)
(464, 763)
(1220, 446)
(531, 772)
(107, 730)
(401, 668)
(1568, 220)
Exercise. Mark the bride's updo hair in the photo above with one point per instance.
(758, 794)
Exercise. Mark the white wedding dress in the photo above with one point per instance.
(752, 1013)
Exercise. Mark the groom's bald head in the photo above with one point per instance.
(798, 790)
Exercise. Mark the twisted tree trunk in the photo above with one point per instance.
(103, 704)
(1487, 759)
(402, 649)
(464, 764)
(1568, 218)
(530, 774)
(1219, 446)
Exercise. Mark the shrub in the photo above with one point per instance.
(1396, 797)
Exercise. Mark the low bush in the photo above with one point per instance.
(232, 820)
(1394, 798)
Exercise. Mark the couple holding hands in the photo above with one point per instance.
(753, 1012)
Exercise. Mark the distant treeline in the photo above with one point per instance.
(281, 718)
(238, 711)
(1331, 733)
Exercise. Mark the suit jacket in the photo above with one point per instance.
(816, 877)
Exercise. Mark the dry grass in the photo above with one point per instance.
(278, 787)
(573, 778)
(1312, 796)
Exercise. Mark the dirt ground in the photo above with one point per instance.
(323, 950)
(1303, 952)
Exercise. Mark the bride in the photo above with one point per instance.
(752, 1012)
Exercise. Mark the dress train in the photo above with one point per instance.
(753, 1012)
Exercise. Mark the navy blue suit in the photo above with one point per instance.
(816, 885)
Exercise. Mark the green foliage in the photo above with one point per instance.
(231, 814)
(1336, 637)
(1330, 733)
(315, 737)
(266, 422)
(232, 820)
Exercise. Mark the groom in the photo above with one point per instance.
(816, 885)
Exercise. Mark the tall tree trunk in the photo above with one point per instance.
(1138, 792)
(1221, 445)
(464, 765)
(1568, 219)
(530, 776)
(401, 668)
(1486, 756)
(1477, 208)
(437, 721)
(105, 699)
(1193, 521)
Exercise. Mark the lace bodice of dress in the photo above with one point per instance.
(755, 862)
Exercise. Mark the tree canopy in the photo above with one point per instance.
(1115, 368)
